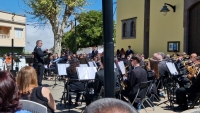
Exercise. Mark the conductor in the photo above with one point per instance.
(39, 60)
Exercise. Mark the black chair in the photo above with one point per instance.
(195, 101)
(100, 95)
(145, 86)
(70, 92)
(152, 93)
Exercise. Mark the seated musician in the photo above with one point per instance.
(98, 83)
(74, 86)
(191, 91)
(137, 75)
(163, 71)
(193, 57)
(69, 58)
(51, 65)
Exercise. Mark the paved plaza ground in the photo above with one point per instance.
(59, 88)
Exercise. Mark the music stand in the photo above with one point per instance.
(61, 71)
(173, 72)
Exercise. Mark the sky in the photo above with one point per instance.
(34, 33)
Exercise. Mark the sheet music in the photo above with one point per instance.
(86, 72)
(91, 64)
(122, 67)
(62, 69)
(172, 68)
(83, 65)
(91, 72)
(82, 72)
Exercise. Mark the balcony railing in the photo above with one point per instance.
(4, 36)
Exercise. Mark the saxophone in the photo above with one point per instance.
(123, 83)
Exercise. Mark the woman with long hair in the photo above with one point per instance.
(29, 89)
(74, 86)
(9, 94)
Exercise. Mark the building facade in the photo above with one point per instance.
(12, 26)
(141, 25)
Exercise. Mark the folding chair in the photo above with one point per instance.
(195, 101)
(145, 87)
(33, 106)
(152, 93)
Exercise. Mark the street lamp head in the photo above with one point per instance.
(165, 8)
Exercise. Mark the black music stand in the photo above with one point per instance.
(171, 84)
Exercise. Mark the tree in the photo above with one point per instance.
(89, 31)
(56, 12)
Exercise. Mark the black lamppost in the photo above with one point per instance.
(109, 78)
(75, 37)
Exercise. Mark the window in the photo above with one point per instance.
(132, 26)
(129, 28)
(124, 30)
(18, 32)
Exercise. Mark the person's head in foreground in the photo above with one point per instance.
(110, 105)
(9, 93)
(26, 79)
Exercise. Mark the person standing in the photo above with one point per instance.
(94, 52)
(129, 51)
(39, 60)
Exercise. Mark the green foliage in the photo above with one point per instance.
(89, 31)
(50, 10)
(55, 12)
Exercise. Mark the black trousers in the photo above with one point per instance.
(40, 73)
(181, 96)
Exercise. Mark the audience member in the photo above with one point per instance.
(4, 57)
(8, 62)
(9, 94)
(29, 90)
(110, 105)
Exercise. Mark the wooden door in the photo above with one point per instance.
(194, 30)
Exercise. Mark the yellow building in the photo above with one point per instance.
(12, 26)
(142, 25)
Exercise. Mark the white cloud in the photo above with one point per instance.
(33, 34)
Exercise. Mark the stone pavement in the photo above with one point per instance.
(59, 88)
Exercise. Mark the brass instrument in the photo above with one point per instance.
(123, 83)
(146, 63)
(193, 70)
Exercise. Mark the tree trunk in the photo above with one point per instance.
(57, 45)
